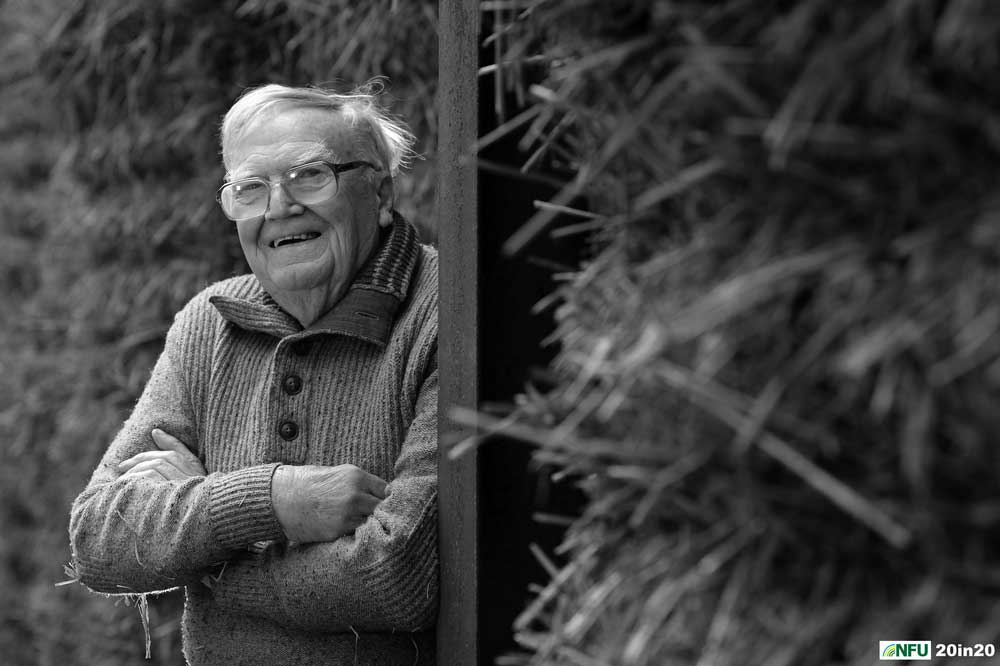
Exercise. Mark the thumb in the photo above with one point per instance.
(167, 442)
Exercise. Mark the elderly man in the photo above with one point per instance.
(281, 464)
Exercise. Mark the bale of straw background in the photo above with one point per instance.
(108, 169)
(779, 372)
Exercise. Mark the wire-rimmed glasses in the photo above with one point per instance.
(307, 184)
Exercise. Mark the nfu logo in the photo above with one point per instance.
(904, 650)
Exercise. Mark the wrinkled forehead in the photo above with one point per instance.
(281, 137)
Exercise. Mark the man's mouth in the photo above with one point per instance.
(294, 238)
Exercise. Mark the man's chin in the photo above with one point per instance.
(298, 279)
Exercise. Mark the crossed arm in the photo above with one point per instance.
(346, 549)
(312, 503)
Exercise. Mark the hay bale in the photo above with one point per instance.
(779, 370)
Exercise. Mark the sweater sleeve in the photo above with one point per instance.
(132, 534)
(384, 577)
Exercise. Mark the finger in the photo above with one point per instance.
(167, 442)
(367, 505)
(145, 456)
(190, 467)
(363, 510)
(187, 462)
(151, 474)
(354, 521)
(145, 470)
(158, 467)
(374, 485)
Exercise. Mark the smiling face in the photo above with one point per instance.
(306, 256)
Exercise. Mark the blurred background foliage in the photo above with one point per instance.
(108, 169)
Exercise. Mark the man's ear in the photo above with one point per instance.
(386, 198)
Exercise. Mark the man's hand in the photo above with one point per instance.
(173, 462)
(319, 503)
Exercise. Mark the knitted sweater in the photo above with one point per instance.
(247, 388)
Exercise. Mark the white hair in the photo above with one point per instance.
(392, 140)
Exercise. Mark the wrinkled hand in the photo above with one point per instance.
(173, 462)
(319, 503)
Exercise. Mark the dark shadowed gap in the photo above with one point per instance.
(512, 488)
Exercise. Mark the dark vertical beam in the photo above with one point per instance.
(458, 344)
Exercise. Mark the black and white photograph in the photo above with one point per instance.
(499, 332)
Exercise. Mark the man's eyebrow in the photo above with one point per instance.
(315, 153)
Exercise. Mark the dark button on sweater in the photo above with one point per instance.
(288, 430)
(291, 384)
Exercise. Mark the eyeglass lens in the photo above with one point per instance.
(306, 184)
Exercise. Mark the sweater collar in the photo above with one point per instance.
(366, 311)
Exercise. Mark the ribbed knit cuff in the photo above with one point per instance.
(241, 509)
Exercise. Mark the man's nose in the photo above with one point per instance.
(281, 204)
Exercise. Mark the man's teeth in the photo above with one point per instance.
(295, 238)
